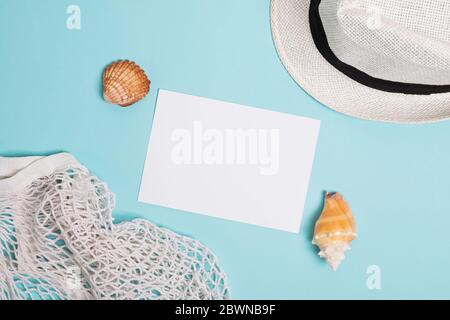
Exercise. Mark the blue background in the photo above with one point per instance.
(396, 177)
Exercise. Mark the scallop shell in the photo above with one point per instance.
(334, 230)
(124, 83)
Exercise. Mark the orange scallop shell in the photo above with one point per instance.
(124, 83)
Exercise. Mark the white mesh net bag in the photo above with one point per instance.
(57, 241)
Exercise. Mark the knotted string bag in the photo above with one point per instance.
(58, 241)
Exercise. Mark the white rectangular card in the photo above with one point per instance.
(229, 161)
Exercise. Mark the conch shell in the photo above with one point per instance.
(124, 83)
(335, 229)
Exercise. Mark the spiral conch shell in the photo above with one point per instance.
(335, 229)
(124, 83)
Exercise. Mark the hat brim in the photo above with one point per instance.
(298, 53)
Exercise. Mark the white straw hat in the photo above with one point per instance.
(381, 60)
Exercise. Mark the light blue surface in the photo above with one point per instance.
(396, 177)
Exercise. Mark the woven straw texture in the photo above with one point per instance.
(406, 41)
(57, 241)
